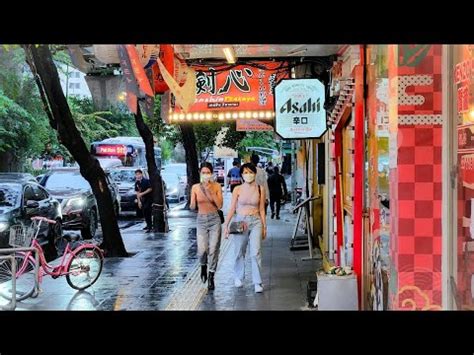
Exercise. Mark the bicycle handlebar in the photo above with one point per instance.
(44, 219)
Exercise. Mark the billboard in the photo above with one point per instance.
(223, 92)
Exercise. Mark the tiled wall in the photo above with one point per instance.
(416, 180)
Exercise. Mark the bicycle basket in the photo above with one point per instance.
(20, 236)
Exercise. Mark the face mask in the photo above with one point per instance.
(205, 177)
(249, 177)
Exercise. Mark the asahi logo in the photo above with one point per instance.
(297, 107)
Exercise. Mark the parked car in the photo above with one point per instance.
(176, 180)
(17, 176)
(79, 206)
(175, 186)
(219, 174)
(124, 177)
(21, 199)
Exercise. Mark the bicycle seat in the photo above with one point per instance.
(44, 219)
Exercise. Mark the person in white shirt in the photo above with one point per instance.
(261, 178)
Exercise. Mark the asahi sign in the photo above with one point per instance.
(299, 109)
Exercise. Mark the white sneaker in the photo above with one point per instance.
(238, 283)
(258, 288)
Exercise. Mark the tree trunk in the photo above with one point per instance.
(42, 64)
(192, 162)
(9, 162)
(159, 218)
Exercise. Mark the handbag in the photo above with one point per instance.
(219, 212)
(237, 227)
(240, 226)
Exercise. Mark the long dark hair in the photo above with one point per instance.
(206, 165)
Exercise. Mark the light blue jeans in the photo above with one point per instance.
(240, 241)
(208, 239)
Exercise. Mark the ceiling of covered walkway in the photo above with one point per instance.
(100, 56)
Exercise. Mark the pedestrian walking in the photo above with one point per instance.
(248, 206)
(269, 169)
(277, 187)
(261, 178)
(206, 197)
(234, 177)
(144, 198)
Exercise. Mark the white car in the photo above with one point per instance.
(175, 178)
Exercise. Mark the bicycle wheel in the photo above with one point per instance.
(84, 268)
(25, 278)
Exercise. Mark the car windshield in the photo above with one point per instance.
(170, 179)
(179, 169)
(10, 195)
(123, 175)
(70, 180)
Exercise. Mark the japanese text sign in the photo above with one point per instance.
(299, 109)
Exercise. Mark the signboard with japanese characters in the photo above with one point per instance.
(299, 109)
(253, 125)
(240, 92)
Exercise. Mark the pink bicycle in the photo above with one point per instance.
(81, 266)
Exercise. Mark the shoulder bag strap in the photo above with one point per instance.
(204, 192)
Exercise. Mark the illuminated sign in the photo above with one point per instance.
(111, 150)
(300, 112)
(242, 92)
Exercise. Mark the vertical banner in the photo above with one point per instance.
(132, 102)
(138, 70)
(130, 82)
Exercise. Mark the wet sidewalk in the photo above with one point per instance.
(163, 274)
(285, 275)
(145, 281)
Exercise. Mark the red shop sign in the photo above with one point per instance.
(241, 88)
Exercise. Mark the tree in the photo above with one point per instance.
(15, 123)
(21, 113)
(158, 210)
(43, 68)
(192, 162)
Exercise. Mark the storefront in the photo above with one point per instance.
(385, 160)
(346, 161)
(461, 228)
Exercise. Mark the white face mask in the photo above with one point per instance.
(248, 177)
(205, 177)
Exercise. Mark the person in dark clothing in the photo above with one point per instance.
(277, 187)
(269, 169)
(144, 198)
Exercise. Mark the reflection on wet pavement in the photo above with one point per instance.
(142, 282)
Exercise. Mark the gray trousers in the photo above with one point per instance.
(240, 241)
(209, 239)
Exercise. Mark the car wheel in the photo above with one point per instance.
(56, 241)
(89, 231)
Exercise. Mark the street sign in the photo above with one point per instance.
(299, 109)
